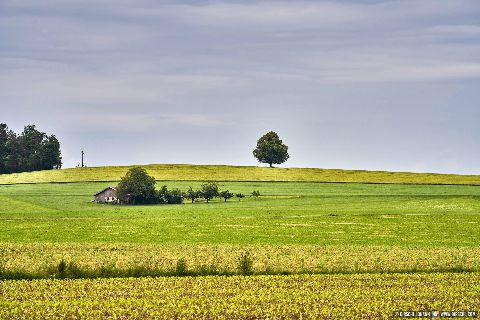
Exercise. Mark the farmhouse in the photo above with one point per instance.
(107, 195)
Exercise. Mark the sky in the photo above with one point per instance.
(375, 85)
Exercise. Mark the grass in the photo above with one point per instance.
(292, 228)
(286, 214)
(184, 172)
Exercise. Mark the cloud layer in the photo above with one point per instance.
(397, 78)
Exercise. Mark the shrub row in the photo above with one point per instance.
(245, 267)
(71, 270)
(137, 187)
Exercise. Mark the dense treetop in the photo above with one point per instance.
(137, 187)
(270, 149)
(31, 150)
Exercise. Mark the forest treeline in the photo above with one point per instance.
(30, 150)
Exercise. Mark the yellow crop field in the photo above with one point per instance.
(371, 296)
(185, 172)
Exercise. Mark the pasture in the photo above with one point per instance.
(187, 172)
(386, 236)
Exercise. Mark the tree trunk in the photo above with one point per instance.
(271, 165)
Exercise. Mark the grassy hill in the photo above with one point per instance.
(185, 172)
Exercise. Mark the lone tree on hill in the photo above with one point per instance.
(270, 149)
(137, 187)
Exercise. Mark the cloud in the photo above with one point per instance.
(456, 31)
(261, 14)
(214, 44)
(134, 122)
(291, 15)
(344, 70)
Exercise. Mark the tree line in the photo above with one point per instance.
(138, 187)
(30, 150)
(33, 150)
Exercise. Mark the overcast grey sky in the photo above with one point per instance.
(378, 85)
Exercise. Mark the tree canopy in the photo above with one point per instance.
(209, 190)
(31, 150)
(137, 187)
(226, 194)
(270, 149)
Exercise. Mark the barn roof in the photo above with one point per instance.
(108, 188)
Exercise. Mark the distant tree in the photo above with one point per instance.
(209, 190)
(270, 149)
(162, 195)
(31, 150)
(3, 146)
(50, 153)
(137, 187)
(226, 195)
(191, 194)
(256, 194)
(31, 141)
(175, 196)
(240, 196)
(13, 156)
(165, 196)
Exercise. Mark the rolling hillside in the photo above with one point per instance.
(185, 172)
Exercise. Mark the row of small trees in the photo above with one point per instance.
(209, 190)
(137, 187)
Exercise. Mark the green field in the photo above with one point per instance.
(286, 214)
(185, 172)
(303, 223)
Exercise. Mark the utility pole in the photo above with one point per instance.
(83, 153)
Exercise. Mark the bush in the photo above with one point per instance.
(256, 194)
(245, 264)
(240, 196)
(164, 196)
(175, 196)
(226, 195)
(62, 268)
(181, 268)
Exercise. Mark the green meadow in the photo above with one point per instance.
(322, 214)
(319, 227)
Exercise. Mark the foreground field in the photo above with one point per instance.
(185, 172)
(255, 297)
(373, 249)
